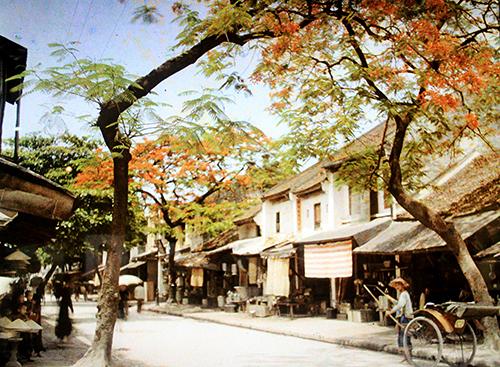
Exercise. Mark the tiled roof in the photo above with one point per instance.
(316, 173)
(474, 188)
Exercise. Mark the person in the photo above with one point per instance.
(123, 302)
(403, 309)
(139, 296)
(25, 348)
(36, 315)
(83, 291)
(63, 326)
(424, 298)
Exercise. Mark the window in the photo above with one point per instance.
(278, 222)
(317, 215)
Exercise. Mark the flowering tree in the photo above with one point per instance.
(410, 61)
(426, 68)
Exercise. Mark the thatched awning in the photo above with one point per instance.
(33, 203)
(412, 236)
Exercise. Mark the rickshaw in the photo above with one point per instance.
(444, 333)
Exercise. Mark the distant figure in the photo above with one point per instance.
(424, 298)
(64, 327)
(139, 296)
(123, 302)
(83, 290)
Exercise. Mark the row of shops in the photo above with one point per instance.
(332, 270)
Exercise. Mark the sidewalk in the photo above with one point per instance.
(360, 335)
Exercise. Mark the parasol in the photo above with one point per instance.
(129, 280)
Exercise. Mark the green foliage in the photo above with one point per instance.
(62, 159)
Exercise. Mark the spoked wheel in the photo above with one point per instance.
(423, 343)
(460, 348)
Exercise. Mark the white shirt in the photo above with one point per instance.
(403, 307)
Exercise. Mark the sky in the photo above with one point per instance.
(103, 29)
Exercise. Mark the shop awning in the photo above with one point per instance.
(132, 265)
(413, 236)
(192, 259)
(332, 260)
(280, 251)
(361, 232)
(250, 246)
(145, 255)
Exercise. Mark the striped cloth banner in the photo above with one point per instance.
(332, 260)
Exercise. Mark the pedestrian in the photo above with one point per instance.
(36, 316)
(123, 302)
(139, 296)
(63, 326)
(403, 309)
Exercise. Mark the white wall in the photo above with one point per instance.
(287, 217)
(307, 212)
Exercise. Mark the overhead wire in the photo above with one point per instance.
(125, 6)
(71, 21)
(86, 20)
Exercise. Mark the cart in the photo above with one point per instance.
(443, 333)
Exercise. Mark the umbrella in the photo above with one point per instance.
(5, 283)
(129, 280)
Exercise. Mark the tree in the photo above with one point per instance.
(62, 159)
(194, 186)
(227, 26)
(426, 68)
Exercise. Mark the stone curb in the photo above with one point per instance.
(354, 343)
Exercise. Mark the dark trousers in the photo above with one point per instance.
(401, 329)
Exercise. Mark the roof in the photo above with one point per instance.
(296, 181)
(14, 57)
(249, 214)
(412, 236)
(280, 251)
(361, 232)
(249, 246)
(31, 201)
(316, 173)
(192, 259)
(132, 265)
(221, 240)
(492, 251)
(144, 255)
(475, 187)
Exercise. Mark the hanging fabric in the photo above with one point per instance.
(277, 280)
(333, 260)
(252, 270)
(197, 277)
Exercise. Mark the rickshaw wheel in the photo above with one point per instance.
(460, 349)
(423, 342)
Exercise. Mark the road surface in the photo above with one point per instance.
(154, 340)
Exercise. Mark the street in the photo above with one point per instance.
(153, 340)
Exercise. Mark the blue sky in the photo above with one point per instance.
(103, 29)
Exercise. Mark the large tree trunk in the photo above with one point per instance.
(446, 230)
(99, 354)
